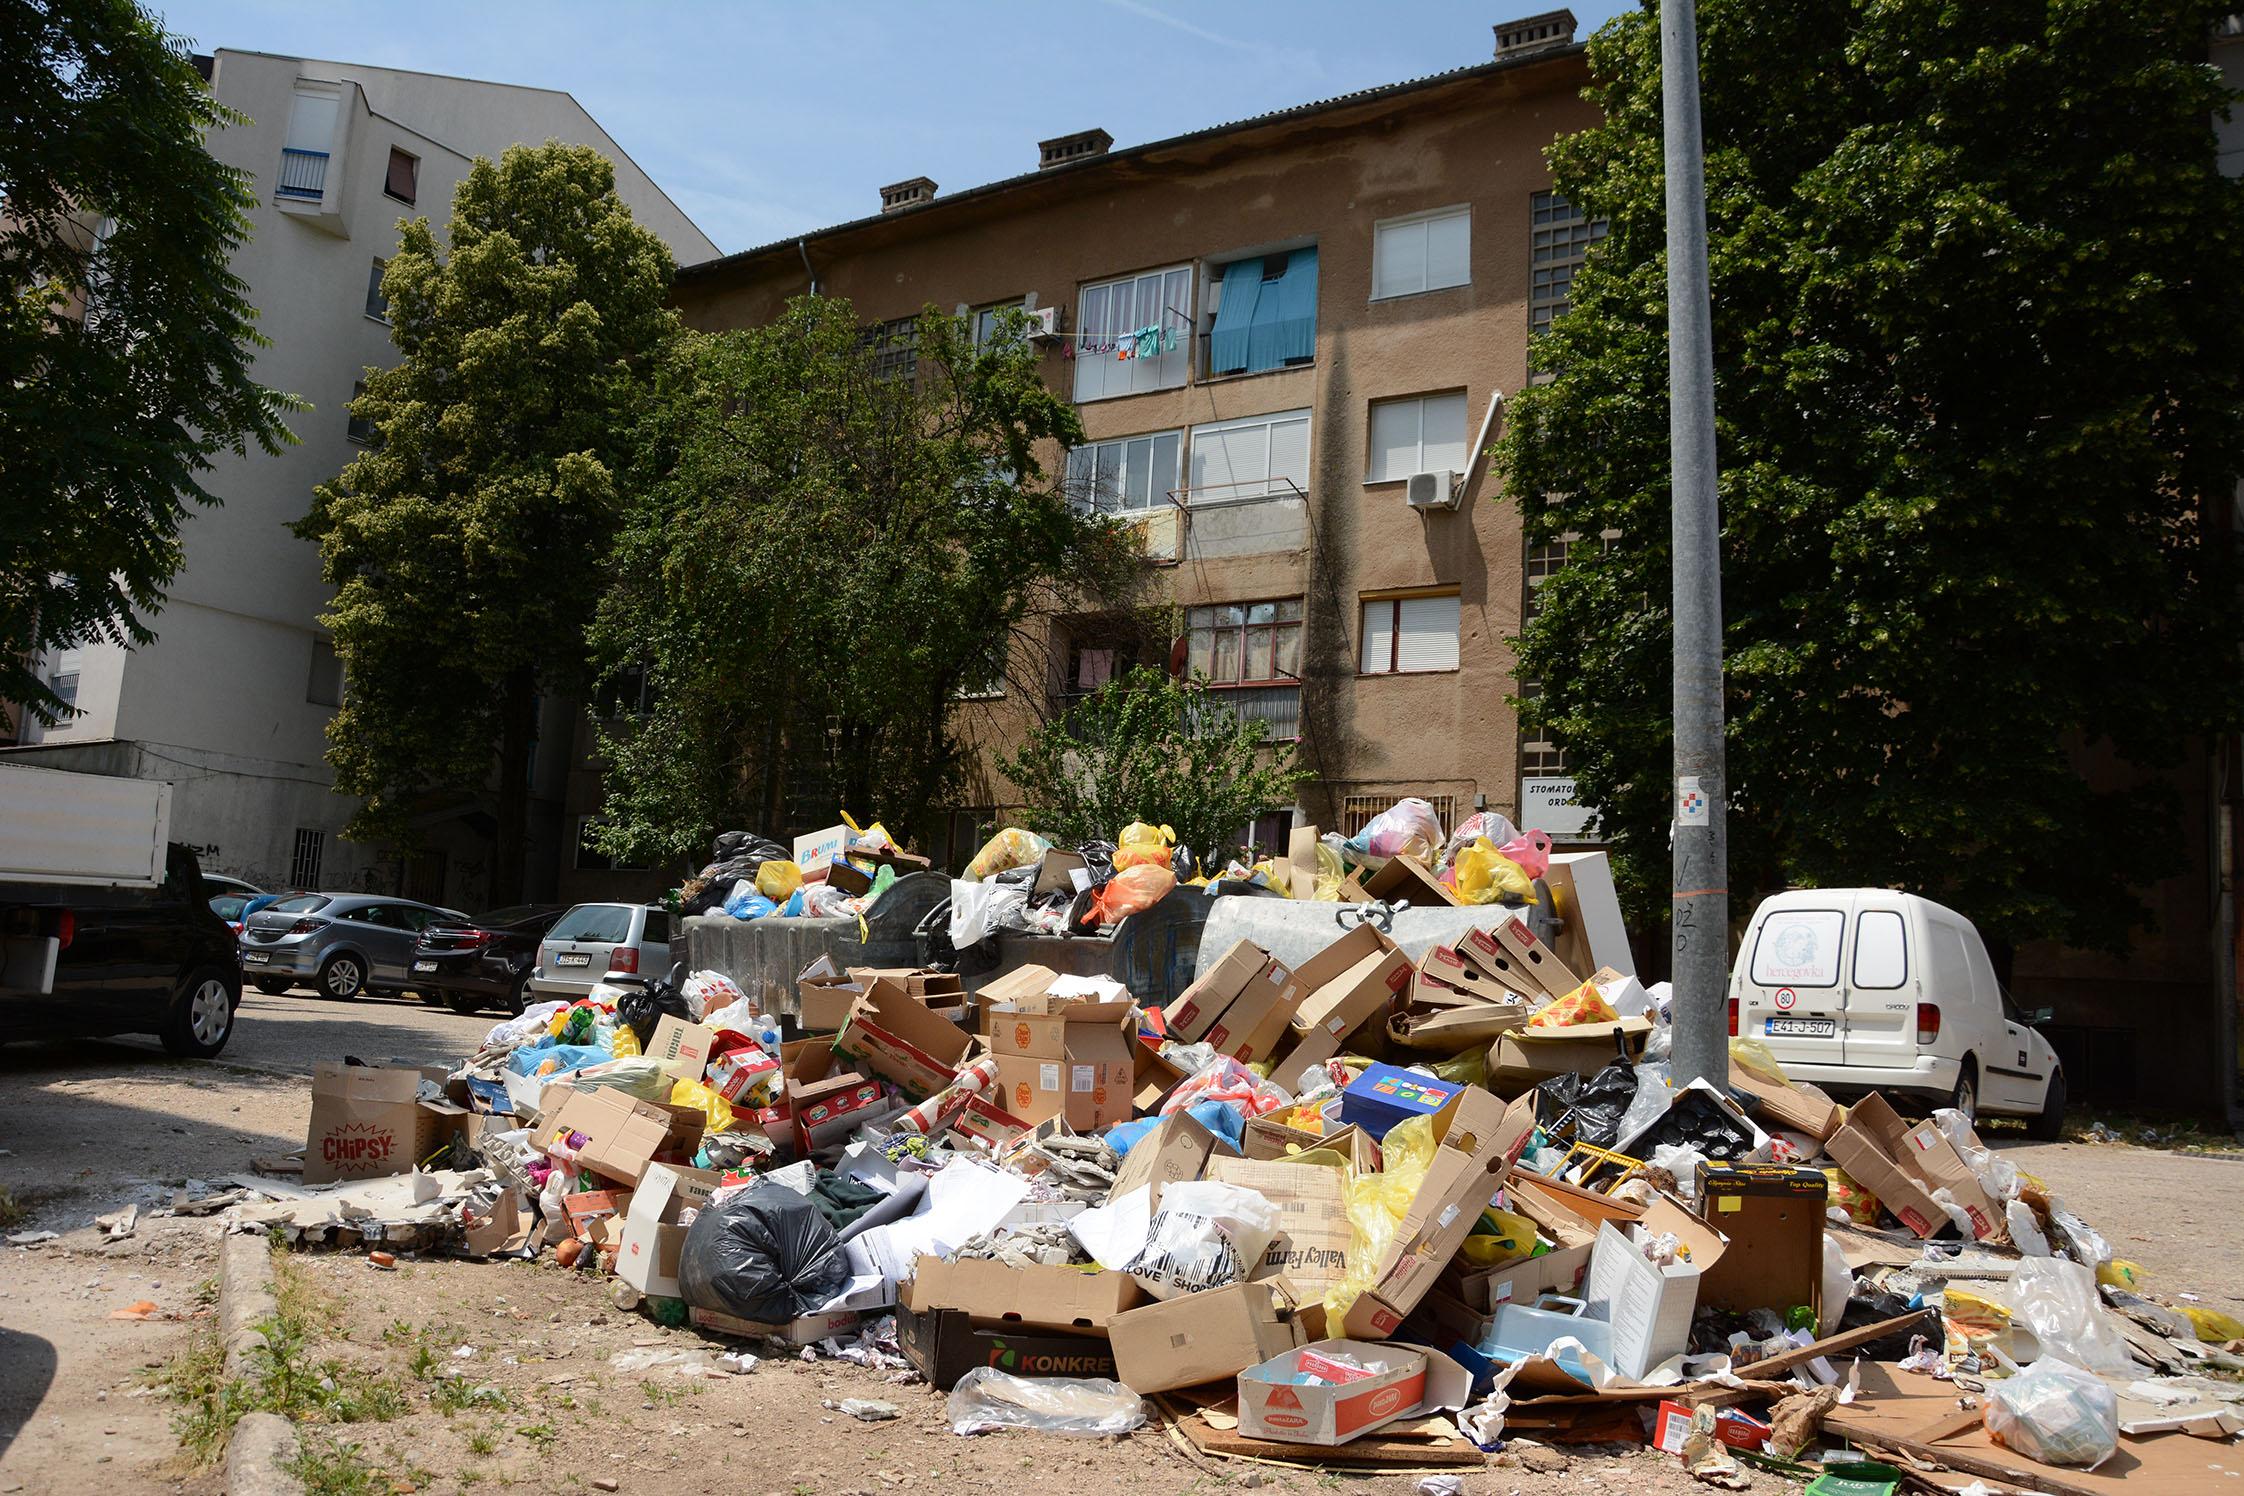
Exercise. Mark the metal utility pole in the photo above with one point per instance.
(1701, 895)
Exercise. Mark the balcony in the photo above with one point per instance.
(1278, 707)
(303, 175)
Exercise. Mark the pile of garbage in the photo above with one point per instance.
(839, 871)
(1298, 1212)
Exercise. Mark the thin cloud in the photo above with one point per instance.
(1178, 23)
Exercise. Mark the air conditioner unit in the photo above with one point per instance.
(1433, 490)
(1043, 321)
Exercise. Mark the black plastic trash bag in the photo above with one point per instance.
(640, 1009)
(766, 1254)
(1595, 1114)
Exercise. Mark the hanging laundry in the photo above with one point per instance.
(1149, 342)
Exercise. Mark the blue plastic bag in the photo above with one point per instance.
(794, 907)
(556, 1059)
(1221, 1118)
(749, 905)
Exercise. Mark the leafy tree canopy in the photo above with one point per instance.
(469, 548)
(1144, 747)
(126, 344)
(1978, 293)
(829, 546)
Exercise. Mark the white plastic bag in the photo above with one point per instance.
(529, 1024)
(706, 991)
(1205, 1235)
(1838, 1285)
(2055, 1413)
(1997, 1176)
(987, 1399)
(978, 909)
(2058, 1301)
(1407, 826)
(2025, 1231)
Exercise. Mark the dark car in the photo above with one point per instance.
(483, 962)
(128, 961)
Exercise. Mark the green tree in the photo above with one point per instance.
(126, 343)
(832, 542)
(1978, 292)
(469, 548)
(1144, 747)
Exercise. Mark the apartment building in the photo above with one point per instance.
(1288, 338)
(231, 701)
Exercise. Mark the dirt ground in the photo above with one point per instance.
(91, 1127)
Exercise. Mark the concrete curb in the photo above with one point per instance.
(262, 1444)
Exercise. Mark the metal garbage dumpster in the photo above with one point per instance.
(765, 955)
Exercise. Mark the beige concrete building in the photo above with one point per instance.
(1288, 338)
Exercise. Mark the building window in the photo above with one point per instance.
(311, 135)
(1410, 635)
(1423, 434)
(1262, 313)
(591, 859)
(1124, 476)
(986, 682)
(1133, 334)
(1250, 458)
(1356, 811)
(894, 346)
(1424, 252)
(1559, 240)
(403, 179)
(325, 687)
(1244, 644)
(362, 429)
(63, 674)
(377, 304)
(303, 866)
(986, 322)
(627, 693)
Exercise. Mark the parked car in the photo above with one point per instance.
(146, 956)
(342, 943)
(1866, 989)
(216, 884)
(483, 962)
(591, 940)
(230, 907)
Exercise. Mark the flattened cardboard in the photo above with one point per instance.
(1773, 1217)
(1198, 1006)
(1415, 1380)
(1203, 1337)
(1301, 861)
(1056, 873)
(1038, 1297)
(1476, 1138)
(894, 1035)
(1802, 1109)
(1174, 1152)
(1879, 1151)
(1406, 877)
(943, 1345)
(807, 1329)
(1311, 1249)
(682, 1048)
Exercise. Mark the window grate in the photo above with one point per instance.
(894, 347)
(303, 867)
(1558, 241)
(1356, 811)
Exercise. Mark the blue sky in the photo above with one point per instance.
(764, 119)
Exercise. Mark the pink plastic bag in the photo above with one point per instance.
(1531, 850)
(1409, 825)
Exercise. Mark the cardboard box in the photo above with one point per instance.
(1038, 1297)
(1065, 1057)
(1802, 1109)
(1649, 1306)
(817, 849)
(1407, 877)
(1482, 949)
(1671, 1425)
(1482, 1289)
(1387, 1094)
(943, 1345)
(1535, 958)
(1266, 1140)
(1301, 861)
(988, 1123)
(1568, 1214)
(1476, 1138)
(847, 876)
(1176, 1150)
(827, 1110)
(806, 1329)
(367, 1122)
(1773, 1217)
(1153, 1077)
(747, 1077)
(1525, 1057)
(652, 1237)
(1060, 871)
(1204, 1337)
(1260, 1018)
(1887, 1157)
(1447, 965)
(1346, 985)
(1272, 1406)
(824, 997)
(1311, 1249)
(590, 1207)
(937, 989)
(894, 1035)
(1445, 1031)
(682, 1048)
(623, 1135)
(1197, 1008)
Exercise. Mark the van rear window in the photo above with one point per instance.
(1799, 948)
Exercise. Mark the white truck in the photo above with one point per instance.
(1867, 989)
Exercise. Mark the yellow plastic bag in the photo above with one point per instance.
(698, 1096)
(1860, 1205)
(2213, 1327)
(1010, 848)
(1141, 845)
(1498, 1238)
(1377, 1204)
(1585, 1004)
(1278, 873)
(2120, 1273)
(1331, 872)
(777, 879)
(1758, 1060)
(875, 835)
(624, 1044)
(1467, 1069)
(1485, 875)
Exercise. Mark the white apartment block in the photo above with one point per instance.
(231, 701)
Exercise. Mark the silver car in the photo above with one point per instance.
(592, 940)
(342, 943)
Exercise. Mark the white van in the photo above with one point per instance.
(1866, 989)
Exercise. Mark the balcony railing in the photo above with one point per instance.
(303, 174)
(1279, 707)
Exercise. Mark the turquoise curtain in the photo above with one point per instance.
(1265, 324)
(1242, 293)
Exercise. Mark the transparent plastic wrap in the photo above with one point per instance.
(2059, 1303)
(987, 1400)
(2055, 1413)
(1010, 848)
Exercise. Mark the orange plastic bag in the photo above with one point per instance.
(1131, 890)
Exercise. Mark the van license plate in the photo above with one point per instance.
(1801, 1028)
(572, 958)
(256, 958)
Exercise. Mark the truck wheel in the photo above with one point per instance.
(273, 986)
(2049, 1127)
(201, 1016)
(342, 977)
(1966, 1099)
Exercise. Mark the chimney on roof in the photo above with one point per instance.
(1081, 146)
(1553, 28)
(906, 194)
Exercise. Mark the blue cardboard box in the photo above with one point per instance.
(1387, 1094)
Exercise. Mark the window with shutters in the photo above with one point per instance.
(1133, 334)
(1422, 434)
(1410, 635)
(403, 179)
(1421, 252)
(1250, 458)
(1127, 475)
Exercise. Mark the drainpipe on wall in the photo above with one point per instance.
(802, 248)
